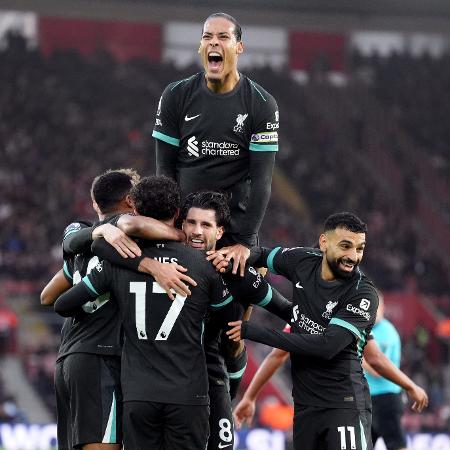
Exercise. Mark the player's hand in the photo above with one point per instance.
(419, 398)
(218, 260)
(235, 333)
(124, 245)
(171, 277)
(221, 258)
(244, 412)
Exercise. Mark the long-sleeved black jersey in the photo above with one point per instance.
(223, 142)
(330, 320)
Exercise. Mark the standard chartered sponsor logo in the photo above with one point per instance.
(220, 148)
(309, 325)
(358, 311)
(192, 146)
(212, 148)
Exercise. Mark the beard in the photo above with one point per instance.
(340, 273)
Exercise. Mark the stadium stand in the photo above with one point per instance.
(64, 119)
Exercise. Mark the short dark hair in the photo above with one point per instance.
(216, 201)
(157, 197)
(111, 187)
(237, 26)
(346, 220)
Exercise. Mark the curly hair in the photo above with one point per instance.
(157, 197)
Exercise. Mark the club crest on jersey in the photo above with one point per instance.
(240, 119)
(329, 309)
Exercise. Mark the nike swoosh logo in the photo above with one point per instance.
(187, 118)
(223, 445)
(298, 285)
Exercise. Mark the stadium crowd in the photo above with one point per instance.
(65, 119)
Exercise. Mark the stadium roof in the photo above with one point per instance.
(405, 15)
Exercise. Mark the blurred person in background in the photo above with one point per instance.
(387, 404)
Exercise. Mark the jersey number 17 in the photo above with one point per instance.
(139, 289)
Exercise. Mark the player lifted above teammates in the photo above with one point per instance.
(219, 130)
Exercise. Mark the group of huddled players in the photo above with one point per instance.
(158, 292)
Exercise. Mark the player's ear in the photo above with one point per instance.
(240, 47)
(220, 231)
(129, 201)
(96, 207)
(323, 242)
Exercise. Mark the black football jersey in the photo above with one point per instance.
(251, 289)
(95, 328)
(214, 134)
(349, 303)
(163, 359)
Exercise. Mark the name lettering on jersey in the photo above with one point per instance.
(272, 126)
(329, 309)
(158, 122)
(159, 245)
(165, 259)
(277, 116)
(358, 311)
(265, 137)
(240, 119)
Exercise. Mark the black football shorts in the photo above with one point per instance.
(88, 400)
(220, 418)
(330, 429)
(159, 426)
